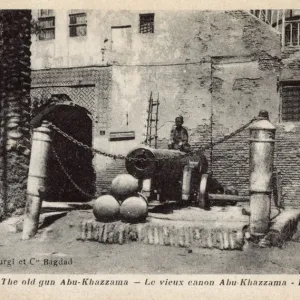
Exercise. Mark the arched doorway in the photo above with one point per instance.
(75, 160)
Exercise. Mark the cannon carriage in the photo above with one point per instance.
(174, 175)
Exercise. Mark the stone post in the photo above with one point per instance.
(146, 187)
(38, 171)
(186, 182)
(262, 139)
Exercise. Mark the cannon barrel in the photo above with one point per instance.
(146, 163)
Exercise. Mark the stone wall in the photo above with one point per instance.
(225, 67)
(236, 76)
(290, 64)
(88, 87)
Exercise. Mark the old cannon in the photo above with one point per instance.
(175, 175)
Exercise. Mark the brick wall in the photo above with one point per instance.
(288, 133)
(231, 162)
(88, 87)
(287, 160)
(244, 81)
(105, 177)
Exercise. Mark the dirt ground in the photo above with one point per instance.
(58, 242)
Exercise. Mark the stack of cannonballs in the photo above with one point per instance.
(124, 203)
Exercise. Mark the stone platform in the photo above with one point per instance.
(220, 228)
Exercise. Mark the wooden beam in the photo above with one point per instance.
(225, 197)
(283, 29)
(58, 206)
(272, 16)
(298, 34)
(291, 34)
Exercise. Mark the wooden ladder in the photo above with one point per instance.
(152, 120)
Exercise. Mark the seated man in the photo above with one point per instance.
(179, 136)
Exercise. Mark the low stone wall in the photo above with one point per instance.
(165, 232)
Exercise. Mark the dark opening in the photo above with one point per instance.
(146, 23)
(76, 160)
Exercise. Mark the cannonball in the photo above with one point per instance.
(124, 186)
(106, 208)
(134, 209)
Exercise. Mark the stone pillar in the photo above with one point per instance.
(38, 171)
(146, 187)
(186, 183)
(262, 139)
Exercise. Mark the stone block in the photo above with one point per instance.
(284, 227)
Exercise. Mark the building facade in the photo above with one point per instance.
(215, 68)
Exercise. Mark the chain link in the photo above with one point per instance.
(68, 175)
(123, 157)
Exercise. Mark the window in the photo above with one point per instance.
(46, 24)
(46, 13)
(147, 23)
(292, 33)
(291, 103)
(78, 24)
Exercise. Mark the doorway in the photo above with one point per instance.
(72, 159)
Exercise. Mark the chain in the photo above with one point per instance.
(123, 157)
(80, 144)
(229, 136)
(68, 175)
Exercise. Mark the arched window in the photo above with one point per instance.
(292, 33)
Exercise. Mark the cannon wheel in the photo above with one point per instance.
(203, 199)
